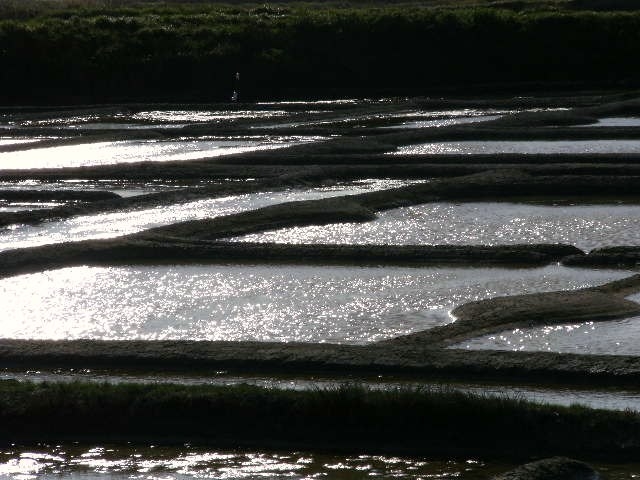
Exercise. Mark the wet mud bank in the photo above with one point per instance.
(410, 360)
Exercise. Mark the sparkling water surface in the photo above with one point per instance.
(486, 223)
(616, 122)
(155, 462)
(122, 222)
(614, 337)
(126, 151)
(189, 462)
(264, 303)
(525, 147)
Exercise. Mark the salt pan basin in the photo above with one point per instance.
(264, 303)
(487, 223)
(113, 224)
(614, 337)
(126, 151)
(525, 147)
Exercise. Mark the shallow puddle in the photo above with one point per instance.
(524, 147)
(264, 303)
(126, 151)
(486, 223)
(113, 224)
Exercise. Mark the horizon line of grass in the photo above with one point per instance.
(347, 418)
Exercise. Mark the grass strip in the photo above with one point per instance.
(419, 421)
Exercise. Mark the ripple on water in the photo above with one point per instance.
(264, 303)
(487, 223)
(123, 222)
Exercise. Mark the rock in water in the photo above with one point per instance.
(556, 468)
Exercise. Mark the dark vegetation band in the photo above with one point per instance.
(343, 418)
(192, 51)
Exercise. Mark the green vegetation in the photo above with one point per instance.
(101, 51)
(345, 418)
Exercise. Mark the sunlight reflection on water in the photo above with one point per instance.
(613, 337)
(186, 462)
(486, 223)
(265, 303)
(113, 224)
(525, 147)
(125, 151)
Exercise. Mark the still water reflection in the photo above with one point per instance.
(486, 223)
(264, 303)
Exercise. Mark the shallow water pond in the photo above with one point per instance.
(486, 223)
(126, 151)
(525, 147)
(122, 222)
(265, 303)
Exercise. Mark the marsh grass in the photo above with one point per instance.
(348, 417)
(98, 51)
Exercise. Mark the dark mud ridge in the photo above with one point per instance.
(622, 257)
(122, 251)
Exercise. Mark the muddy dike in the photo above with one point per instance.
(610, 257)
(493, 315)
(411, 361)
(346, 419)
(183, 251)
(556, 468)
